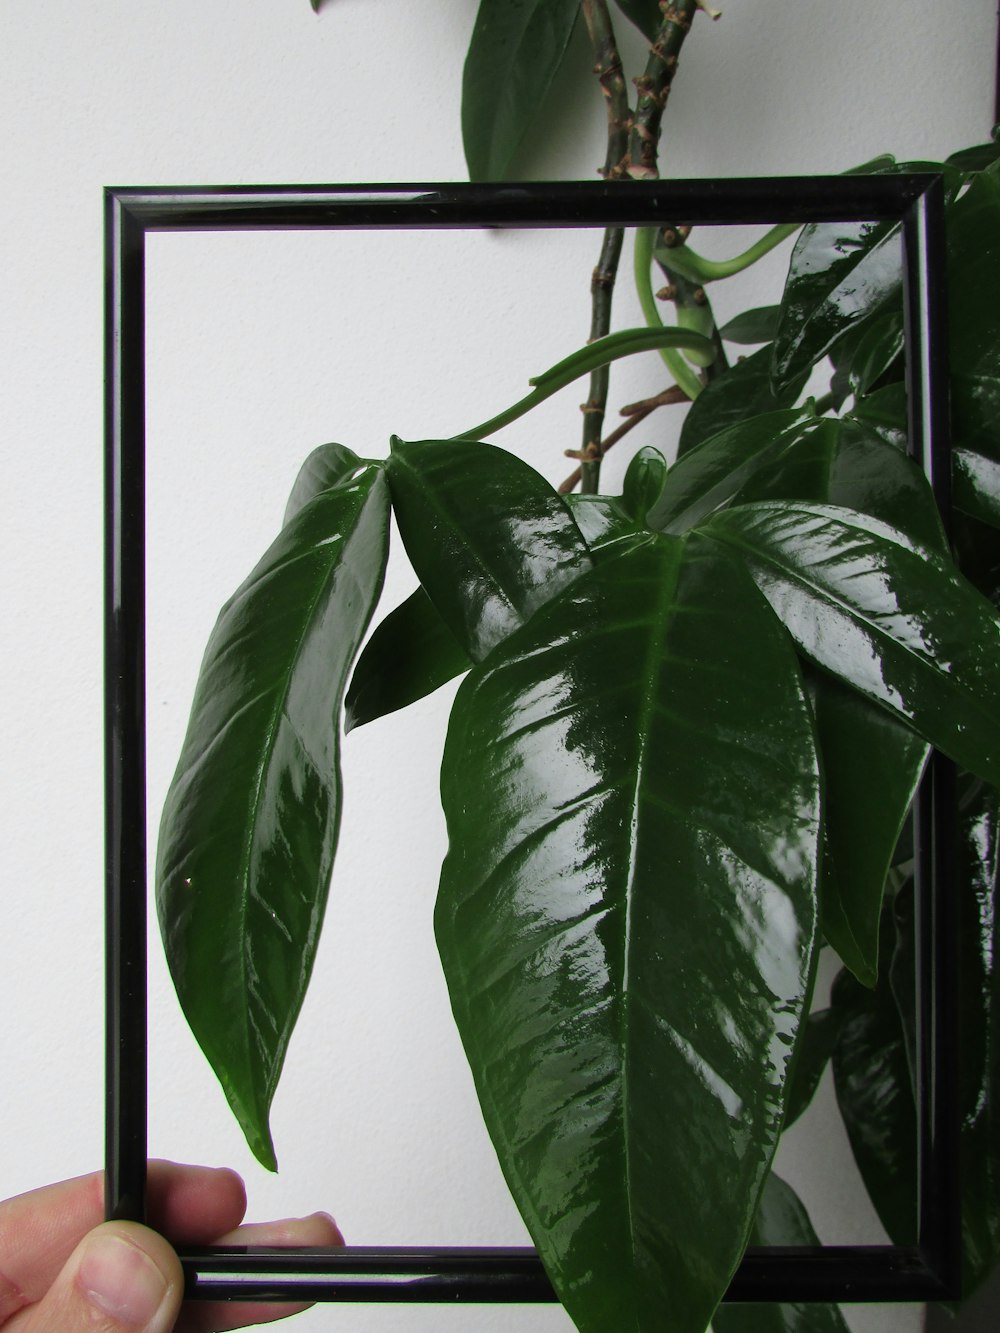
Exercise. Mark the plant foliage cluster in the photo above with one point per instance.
(682, 757)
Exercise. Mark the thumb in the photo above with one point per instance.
(121, 1278)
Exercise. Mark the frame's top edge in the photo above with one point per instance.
(728, 199)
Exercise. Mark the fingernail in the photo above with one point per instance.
(122, 1281)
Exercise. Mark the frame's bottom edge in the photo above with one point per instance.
(842, 1274)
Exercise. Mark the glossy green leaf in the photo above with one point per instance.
(979, 924)
(973, 320)
(250, 822)
(841, 461)
(976, 485)
(626, 918)
(328, 465)
(891, 617)
(516, 48)
(840, 273)
(977, 158)
(711, 474)
(781, 1220)
(645, 14)
(977, 550)
(867, 351)
(488, 537)
(603, 523)
(819, 1032)
(871, 762)
(883, 413)
(979, 1005)
(752, 326)
(871, 768)
(742, 392)
(409, 655)
(644, 482)
(872, 1080)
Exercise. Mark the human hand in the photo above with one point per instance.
(64, 1271)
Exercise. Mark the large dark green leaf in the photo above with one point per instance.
(840, 273)
(862, 356)
(974, 321)
(871, 1075)
(781, 1220)
(845, 462)
(711, 474)
(752, 326)
(733, 398)
(976, 158)
(516, 48)
(410, 654)
(819, 1032)
(980, 1008)
(488, 537)
(413, 652)
(871, 767)
(884, 414)
(250, 822)
(626, 917)
(328, 465)
(891, 617)
(871, 763)
(976, 481)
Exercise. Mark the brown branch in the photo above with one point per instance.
(654, 86)
(608, 68)
(635, 413)
(612, 80)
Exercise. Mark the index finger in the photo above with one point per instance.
(40, 1229)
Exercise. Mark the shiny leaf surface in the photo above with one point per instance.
(891, 617)
(840, 273)
(488, 537)
(710, 475)
(871, 763)
(516, 48)
(781, 1220)
(974, 322)
(753, 326)
(602, 521)
(872, 1080)
(867, 351)
(328, 465)
(884, 414)
(980, 1008)
(409, 655)
(976, 486)
(644, 482)
(743, 392)
(871, 768)
(819, 1032)
(626, 917)
(844, 462)
(250, 822)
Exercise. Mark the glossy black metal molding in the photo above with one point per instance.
(858, 1273)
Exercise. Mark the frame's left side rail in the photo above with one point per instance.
(124, 714)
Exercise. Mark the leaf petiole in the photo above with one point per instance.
(685, 377)
(699, 269)
(582, 362)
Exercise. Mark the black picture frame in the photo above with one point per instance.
(928, 1270)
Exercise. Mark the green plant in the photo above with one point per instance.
(684, 753)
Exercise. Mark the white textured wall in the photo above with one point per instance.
(262, 346)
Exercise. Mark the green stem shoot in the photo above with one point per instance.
(582, 362)
(685, 377)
